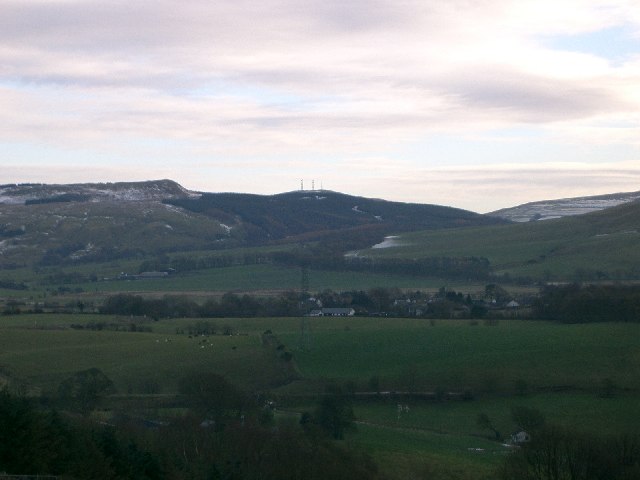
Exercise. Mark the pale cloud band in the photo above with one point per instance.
(217, 92)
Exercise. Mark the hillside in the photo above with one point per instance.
(37, 193)
(597, 245)
(315, 212)
(63, 224)
(547, 209)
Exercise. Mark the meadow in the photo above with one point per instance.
(581, 376)
(560, 249)
(261, 280)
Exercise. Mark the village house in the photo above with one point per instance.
(332, 312)
(520, 438)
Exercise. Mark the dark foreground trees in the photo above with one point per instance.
(557, 453)
(83, 390)
(34, 441)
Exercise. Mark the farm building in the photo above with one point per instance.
(520, 437)
(333, 312)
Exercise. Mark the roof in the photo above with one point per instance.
(338, 311)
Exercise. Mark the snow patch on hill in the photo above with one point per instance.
(548, 209)
(388, 242)
(94, 192)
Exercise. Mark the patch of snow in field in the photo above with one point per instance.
(357, 209)
(226, 227)
(389, 242)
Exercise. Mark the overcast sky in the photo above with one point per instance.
(479, 104)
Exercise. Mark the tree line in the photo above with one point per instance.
(375, 301)
(229, 305)
(331, 257)
(329, 254)
(585, 304)
(559, 453)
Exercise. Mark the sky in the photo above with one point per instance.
(477, 104)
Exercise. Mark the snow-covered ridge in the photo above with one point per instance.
(94, 192)
(548, 209)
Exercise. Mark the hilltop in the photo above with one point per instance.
(35, 193)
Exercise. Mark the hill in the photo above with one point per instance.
(597, 245)
(314, 213)
(546, 209)
(58, 224)
(37, 193)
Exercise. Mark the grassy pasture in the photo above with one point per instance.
(257, 279)
(556, 248)
(414, 453)
(405, 354)
(562, 366)
(454, 355)
(42, 350)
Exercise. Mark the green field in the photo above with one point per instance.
(557, 369)
(42, 350)
(456, 355)
(254, 279)
(558, 249)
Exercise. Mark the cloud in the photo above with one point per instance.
(282, 83)
(492, 187)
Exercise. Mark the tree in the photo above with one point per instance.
(335, 415)
(84, 389)
(212, 395)
(497, 293)
(485, 423)
(527, 418)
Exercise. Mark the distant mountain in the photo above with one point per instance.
(58, 224)
(565, 207)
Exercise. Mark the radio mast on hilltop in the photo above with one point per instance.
(313, 185)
